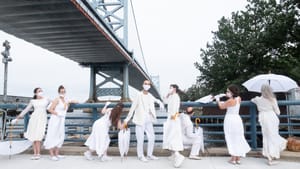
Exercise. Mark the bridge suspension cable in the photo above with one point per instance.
(138, 36)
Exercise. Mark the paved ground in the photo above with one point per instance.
(79, 162)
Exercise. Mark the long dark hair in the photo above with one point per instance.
(234, 89)
(60, 88)
(115, 114)
(35, 91)
(175, 86)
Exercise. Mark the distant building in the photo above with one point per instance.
(16, 99)
(155, 80)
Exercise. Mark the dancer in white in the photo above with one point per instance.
(37, 123)
(143, 112)
(191, 138)
(233, 126)
(172, 136)
(268, 110)
(56, 125)
(99, 139)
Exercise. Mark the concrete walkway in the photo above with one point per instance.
(79, 162)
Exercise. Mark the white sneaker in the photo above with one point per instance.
(194, 157)
(178, 160)
(54, 158)
(272, 162)
(105, 158)
(88, 155)
(35, 157)
(152, 157)
(143, 159)
(60, 156)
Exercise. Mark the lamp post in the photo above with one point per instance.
(5, 61)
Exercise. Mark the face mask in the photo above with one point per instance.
(39, 94)
(61, 95)
(146, 87)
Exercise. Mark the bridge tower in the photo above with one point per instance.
(114, 14)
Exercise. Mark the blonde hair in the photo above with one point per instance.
(267, 92)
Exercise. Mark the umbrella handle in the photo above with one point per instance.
(197, 122)
(10, 138)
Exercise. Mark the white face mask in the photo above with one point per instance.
(40, 94)
(146, 87)
(61, 95)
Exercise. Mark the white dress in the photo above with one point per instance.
(56, 127)
(99, 139)
(172, 136)
(273, 143)
(234, 132)
(38, 119)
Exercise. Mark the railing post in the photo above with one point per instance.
(95, 114)
(253, 126)
(26, 120)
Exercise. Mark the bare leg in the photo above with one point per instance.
(56, 151)
(52, 152)
(34, 148)
(38, 148)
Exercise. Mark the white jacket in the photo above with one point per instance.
(137, 109)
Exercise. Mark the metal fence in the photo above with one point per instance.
(78, 125)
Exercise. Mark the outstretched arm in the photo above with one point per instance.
(105, 108)
(132, 109)
(26, 110)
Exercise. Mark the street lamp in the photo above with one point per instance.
(5, 60)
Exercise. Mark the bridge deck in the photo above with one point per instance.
(67, 28)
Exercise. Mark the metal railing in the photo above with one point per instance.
(78, 125)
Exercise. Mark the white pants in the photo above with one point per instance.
(140, 130)
(196, 143)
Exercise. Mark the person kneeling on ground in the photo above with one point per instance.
(191, 138)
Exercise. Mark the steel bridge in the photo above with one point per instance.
(92, 33)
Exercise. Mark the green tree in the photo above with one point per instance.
(265, 37)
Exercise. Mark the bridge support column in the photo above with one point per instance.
(92, 95)
(125, 93)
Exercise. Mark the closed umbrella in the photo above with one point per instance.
(124, 141)
(279, 83)
(199, 131)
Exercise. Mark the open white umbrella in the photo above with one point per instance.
(124, 141)
(206, 99)
(279, 83)
(13, 147)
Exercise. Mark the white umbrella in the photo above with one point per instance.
(199, 131)
(279, 83)
(124, 141)
(13, 147)
(206, 99)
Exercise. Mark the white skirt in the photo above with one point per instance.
(172, 136)
(273, 143)
(55, 133)
(234, 135)
(99, 139)
(36, 126)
